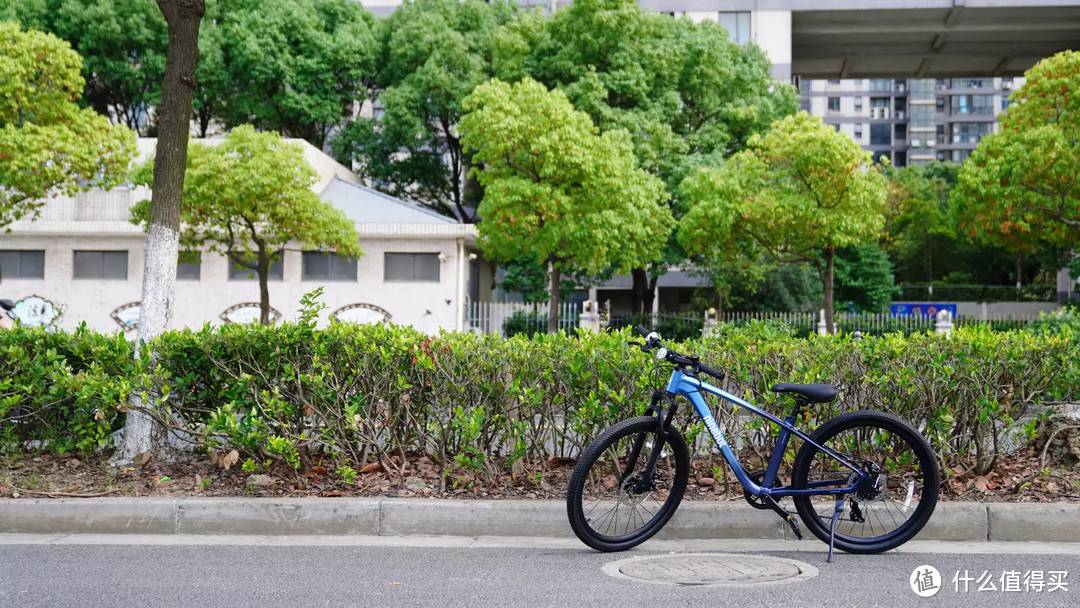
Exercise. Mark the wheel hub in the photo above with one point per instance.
(874, 485)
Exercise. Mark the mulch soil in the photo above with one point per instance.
(1016, 478)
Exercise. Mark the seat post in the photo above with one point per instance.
(800, 403)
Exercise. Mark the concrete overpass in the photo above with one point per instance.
(900, 38)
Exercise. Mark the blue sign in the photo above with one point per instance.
(921, 309)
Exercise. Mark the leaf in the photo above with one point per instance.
(228, 460)
(371, 468)
(145, 458)
(982, 483)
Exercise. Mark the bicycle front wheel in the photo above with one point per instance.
(890, 509)
(612, 502)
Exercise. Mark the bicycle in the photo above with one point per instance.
(873, 465)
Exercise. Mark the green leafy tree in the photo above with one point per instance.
(557, 191)
(1020, 188)
(526, 276)
(688, 95)
(122, 43)
(295, 66)
(48, 145)
(432, 54)
(864, 278)
(799, 193)
(248, 198)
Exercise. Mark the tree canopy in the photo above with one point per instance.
(300, 67)
(687, 94)
(250, 196)
(1020, 188)
(48, 145)
(799, 192)
(122, 43)
(557, 191)
(432, 54)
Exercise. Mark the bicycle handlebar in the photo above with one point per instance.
(652, 340)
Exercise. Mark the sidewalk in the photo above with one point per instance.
(1047, 522)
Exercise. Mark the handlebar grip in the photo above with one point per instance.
(712, 371)
(641, 330)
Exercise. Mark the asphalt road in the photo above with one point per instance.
(107, 571)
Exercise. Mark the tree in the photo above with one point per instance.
(864, 278)
(1020, 188)
(800, 192)
(530, 278)
(557, 191)
(295, 66)
(48, 145)
(688, 95)
(432, 54)
(162, 212)
(250, 196)
(123, 47)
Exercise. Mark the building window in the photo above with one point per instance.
(189, 266)
(833, 81)
(322, 266)
(242, 273)
(881, 134)
(858, 131)
(972, 105)
(858, 103)
(737, 24)
(834, 104)
(880, 84)
(880, 155)
(420, 267)
(940, 104)
(970, 132)
(858, 81)
(101, 265)
(900, 132)
(19, 264)
(1004, 102)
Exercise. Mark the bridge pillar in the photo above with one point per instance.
(772, 32)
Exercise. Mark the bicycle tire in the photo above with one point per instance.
(575, 497)
(817, 523)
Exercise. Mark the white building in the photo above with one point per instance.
(84, 257)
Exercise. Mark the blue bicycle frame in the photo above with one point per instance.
(691, 387)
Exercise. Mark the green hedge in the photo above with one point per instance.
(355, 393)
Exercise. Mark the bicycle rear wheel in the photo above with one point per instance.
(879, 518)
(611, 504)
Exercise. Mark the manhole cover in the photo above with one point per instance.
(711, 569)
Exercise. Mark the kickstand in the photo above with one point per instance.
(837, 512)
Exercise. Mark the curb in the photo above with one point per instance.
(1056, 522)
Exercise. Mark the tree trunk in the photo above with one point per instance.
(553, 300)
(141, 434)
(827, 283)
(1019, 272)
(263, 272)
(640, 292)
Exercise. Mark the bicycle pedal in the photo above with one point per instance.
(794, 526)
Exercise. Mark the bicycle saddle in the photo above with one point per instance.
(817, 393)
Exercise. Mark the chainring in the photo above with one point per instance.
(756, 502)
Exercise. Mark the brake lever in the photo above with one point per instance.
(639, 345)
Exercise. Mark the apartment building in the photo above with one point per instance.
(911, 121)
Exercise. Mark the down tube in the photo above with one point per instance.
(714, 430)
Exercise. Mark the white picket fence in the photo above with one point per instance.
(866, 323)
(491, 317)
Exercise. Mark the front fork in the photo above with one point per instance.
(663, 427)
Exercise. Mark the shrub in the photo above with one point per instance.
(476, 404)
(64, 391)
